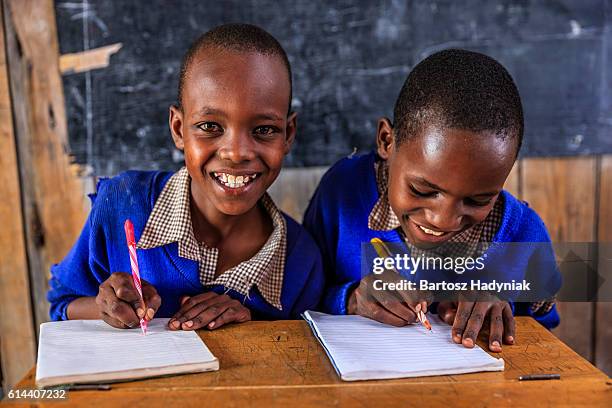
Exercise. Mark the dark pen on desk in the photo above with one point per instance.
(87, 387)
(536, 377)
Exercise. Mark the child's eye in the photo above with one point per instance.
(210, 127)
(422, 193)
(477, 203)
(265, 130)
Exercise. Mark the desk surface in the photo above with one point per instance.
(281, 363)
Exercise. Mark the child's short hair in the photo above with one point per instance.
(459, 89)
(234, 37)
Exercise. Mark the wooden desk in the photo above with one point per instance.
(281, 363)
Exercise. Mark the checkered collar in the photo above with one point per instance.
(170, 221)
(382, 218)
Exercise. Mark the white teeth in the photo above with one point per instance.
(431, 232)
(232, 181)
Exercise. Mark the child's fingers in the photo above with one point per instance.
(508, 319)
(208, 315)
(380, 314)
(117, 308)
(497, 328)
(123, 312)
(192, 301)
(399, 309)
(415, 298)
(152, 300)
(447, 311)
(123, 286)
(237, 314)
(464, 311)
(173, 324)
(474, 324)
(397, 304)
(188, 303)
(198, 308)
(113, 322)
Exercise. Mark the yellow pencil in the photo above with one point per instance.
(383, 252)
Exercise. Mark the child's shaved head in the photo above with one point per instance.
(459, 89)
(237, 38)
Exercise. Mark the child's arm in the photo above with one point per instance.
(83, 287)
(83, 308)
(544, 275)
(322, 224)
(78, 275)
(549, 319)
(312, 288)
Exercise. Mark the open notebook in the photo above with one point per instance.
(91, 351)
(363, 349)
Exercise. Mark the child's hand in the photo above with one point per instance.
(120, 304)
(394, 307)
(208, 310)
(469, 317)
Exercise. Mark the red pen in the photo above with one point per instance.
(129, 236)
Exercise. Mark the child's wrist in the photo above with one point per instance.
(84, 307)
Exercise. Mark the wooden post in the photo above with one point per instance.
(53, 202)
(563, 192)
(17, 341)
(603, 332)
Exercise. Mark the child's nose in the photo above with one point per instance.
(444, 218)
(237, 147)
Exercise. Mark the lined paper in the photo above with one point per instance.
(89, 350)
(363, 349)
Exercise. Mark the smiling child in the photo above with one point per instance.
(436, 179)
(213, 247)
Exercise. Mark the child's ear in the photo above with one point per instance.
(175, 120)
(384, 138)
(290, 132)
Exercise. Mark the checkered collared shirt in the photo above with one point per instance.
(471, 242)
(170, 221)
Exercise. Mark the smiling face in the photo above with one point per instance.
(443, 181)
(233, 127)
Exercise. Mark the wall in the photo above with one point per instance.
(349, 61)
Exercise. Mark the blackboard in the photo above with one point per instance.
(349, 60)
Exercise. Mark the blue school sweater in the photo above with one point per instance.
(337, 217)
(101, 250)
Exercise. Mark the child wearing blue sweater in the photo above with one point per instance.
(212, 246)
(436, 180)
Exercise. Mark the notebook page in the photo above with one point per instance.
(80, 347)
(363, 349)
